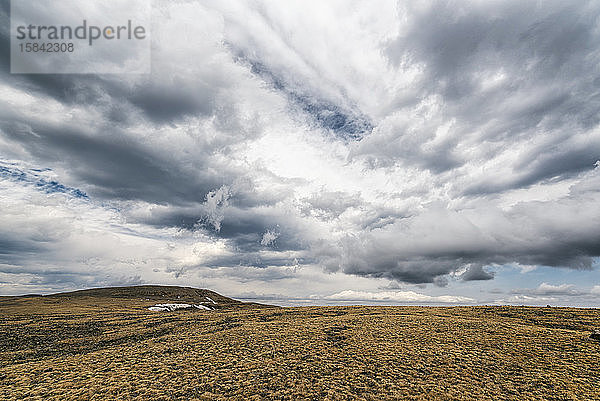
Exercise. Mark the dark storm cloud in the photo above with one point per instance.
(13, 250)
(545, 58)
(439, 242)
(163, 101)
(246, 228)
(110, 165)
(457, 43)
(558, 162)
(167, 103)
(63, 87)
(107, 159)
(476, 273)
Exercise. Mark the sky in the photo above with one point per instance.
(317, 152)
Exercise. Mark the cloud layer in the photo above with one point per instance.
(418, 143)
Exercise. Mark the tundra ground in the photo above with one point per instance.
(106, 347)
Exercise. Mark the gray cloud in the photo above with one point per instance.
(476, 272)
(501, 74)
(436, 243)
(169, 102)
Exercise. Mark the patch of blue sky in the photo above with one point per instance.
(512, 278)
(346, 124)
(33, 177)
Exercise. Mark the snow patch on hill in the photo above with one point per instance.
(174, 307)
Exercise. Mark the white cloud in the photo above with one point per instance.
(216, 203)
(526, 300)
(396, 296)
(561, 289)
(269, 238)
(550, 293)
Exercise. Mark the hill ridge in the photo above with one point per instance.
(151, 292)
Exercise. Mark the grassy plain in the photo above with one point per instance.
(107, 345)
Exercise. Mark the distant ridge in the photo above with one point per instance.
(161, 293)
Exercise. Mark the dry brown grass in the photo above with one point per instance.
(113, 348)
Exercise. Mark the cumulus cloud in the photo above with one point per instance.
(545, 289)
(561, 289)
(418, 143)
(527, 300)
(552, 293)
(395, 296)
